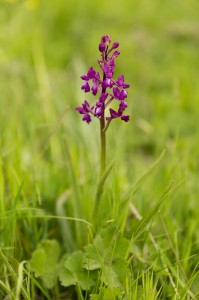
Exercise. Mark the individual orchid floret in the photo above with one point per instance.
(107, 83)
(98, 109)
(95, 78)
(119, 95)
(96, 84)
(90, 75)
(119, 114)
(86, 87)
(120, 82)
(85, 110)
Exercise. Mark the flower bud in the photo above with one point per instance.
(115, 45)
(102, 47)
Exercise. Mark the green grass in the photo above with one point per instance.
(144, 242)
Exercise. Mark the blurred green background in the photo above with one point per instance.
(45, 46)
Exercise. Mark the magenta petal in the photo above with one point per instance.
(106, 39)
(105, 68)
(116, 93)
(84, 77)
(125, 118)
(107, 83)
(86, 87)
(102, 47)
(123, 95)
(86, 106)
(99, 104)
(109, 74)
(87, 118)
(122, 106)
(121, 83)
(91, 73)
(126, 85)
(120, 80)
(98, 111)
(113, 113)
(94, 90)
(115, 54)
(115, 45)
(80, 109)
(103, 97)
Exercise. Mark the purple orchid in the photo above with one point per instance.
(85, 110)
(108, 88)
(119, 113)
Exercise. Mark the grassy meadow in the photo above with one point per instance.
(143, 242)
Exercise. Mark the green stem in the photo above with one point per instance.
(107, 125)
(103, 144)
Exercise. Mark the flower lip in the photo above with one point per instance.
(119, 95)
(120, 82)
(86, 87)
(87, 118)
(123, 106)
(96, 84)
(119, 114)
(84, 109)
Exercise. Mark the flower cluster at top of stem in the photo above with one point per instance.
(105, 87)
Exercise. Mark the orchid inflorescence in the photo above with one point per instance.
(106, 87)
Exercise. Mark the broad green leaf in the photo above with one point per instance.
(38, 262)
(109, 277)
(87, 279)
(67, 278)
(121, 247)
(44, 262)
(74, 262)
(117, 244)
(73, 273)
(120, 267)
(96, 251)
(99, 245)
(91, 264)
(115, 275)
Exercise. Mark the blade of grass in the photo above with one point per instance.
(146, 219)
(133, 189)
(19, 280)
